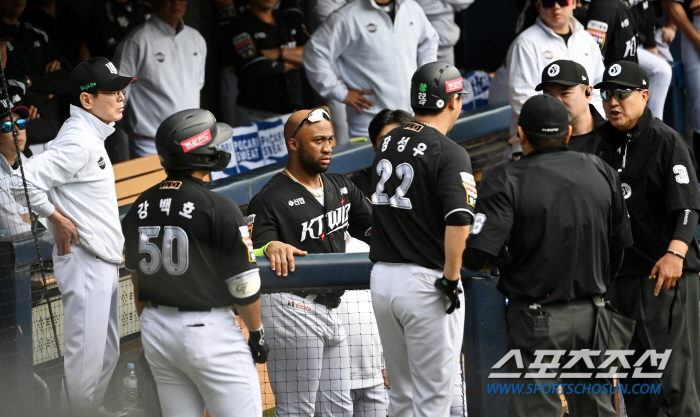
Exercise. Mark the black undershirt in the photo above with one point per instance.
(566, 37)
(390, 8)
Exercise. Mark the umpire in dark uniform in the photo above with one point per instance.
(658, 282)
(192, 259)
(568, 227)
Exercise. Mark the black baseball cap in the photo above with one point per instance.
(434, 84)
(626, 74)
(563, 72)
(96, 74)
(6, 106)
(544, 114)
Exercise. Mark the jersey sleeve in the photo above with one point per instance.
(621, 233)
(494, 216)
(601, 24)
(262, 223)
(456, 187)
(248, 59)
(360, 213)
(130, 241)
(681, 180)
(235, 246)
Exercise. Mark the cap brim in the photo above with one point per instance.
(540, 86)
(22, 111)
(622, 83)
(117, 84)
(223, 133)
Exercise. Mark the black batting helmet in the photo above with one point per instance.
(186, 136)
(434, 84)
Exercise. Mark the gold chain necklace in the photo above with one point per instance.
(427, 124)
(315, 193)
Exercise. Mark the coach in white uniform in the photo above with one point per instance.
(353, 57)
(169, 59)
(72, 184)
(555, 35)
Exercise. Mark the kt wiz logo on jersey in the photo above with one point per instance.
(336, 220)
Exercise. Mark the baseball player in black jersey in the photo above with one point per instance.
(191, 260)
(559, 263)
(610, 24)
(568, 81)
(663, 201)
(423, 201)
(308, 210)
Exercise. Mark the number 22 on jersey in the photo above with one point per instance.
(405, 173)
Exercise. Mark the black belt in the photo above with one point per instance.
(330, 300)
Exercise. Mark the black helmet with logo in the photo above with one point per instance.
(434, 84)
(186, 138)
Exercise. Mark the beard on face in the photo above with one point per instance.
(308, 164)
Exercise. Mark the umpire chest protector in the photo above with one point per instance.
(286, 211)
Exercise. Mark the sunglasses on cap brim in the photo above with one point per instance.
(548, 4)
(7, 126)
(619, 93)
(316, 115)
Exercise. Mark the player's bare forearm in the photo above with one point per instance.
(455, 243)
(293, 55)
(250, 314)
(140, 305)
(680, 18)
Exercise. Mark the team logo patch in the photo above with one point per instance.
(416, 127)
(422, 98)
(440, 104)
(615, 70)
(101, 163)
(160, 57)
(372, 28)
(196, 141)
(170, 185)
(453, 85)
(299, 305)
(249, 243)
(626, 191)
(343, 190)
(111, 68)
(479, 221)
(470, 187)
(553, 71)
(244, 45)
(548, 55)
(296, 202)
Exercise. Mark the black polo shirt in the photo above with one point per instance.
(613, 27)
(262, 82)
(590, 141)
(420, 179)
(564, 212)
(286, 211)
(658, 180)
(184, 242)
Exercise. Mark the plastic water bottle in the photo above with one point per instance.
(131, 388)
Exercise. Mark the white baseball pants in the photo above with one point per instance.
(660, 74)
(691, 68)
(421, 342)
(308, 355)
(199, 360)
(90, 291)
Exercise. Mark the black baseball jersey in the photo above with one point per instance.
(612, 26)
(420, 177)
(184, 242)
(109, 21)
(645, 23)
(28, 55)
(590, 141)
(262, 82)
(564, 212)
(658, 180)
(286, 211)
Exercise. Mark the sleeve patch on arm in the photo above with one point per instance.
(244, 45)
(249, 243)
(470, 187)
(681, 174)
(598, 30)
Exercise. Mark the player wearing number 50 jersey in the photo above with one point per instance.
(192, 260)
(422, 207)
